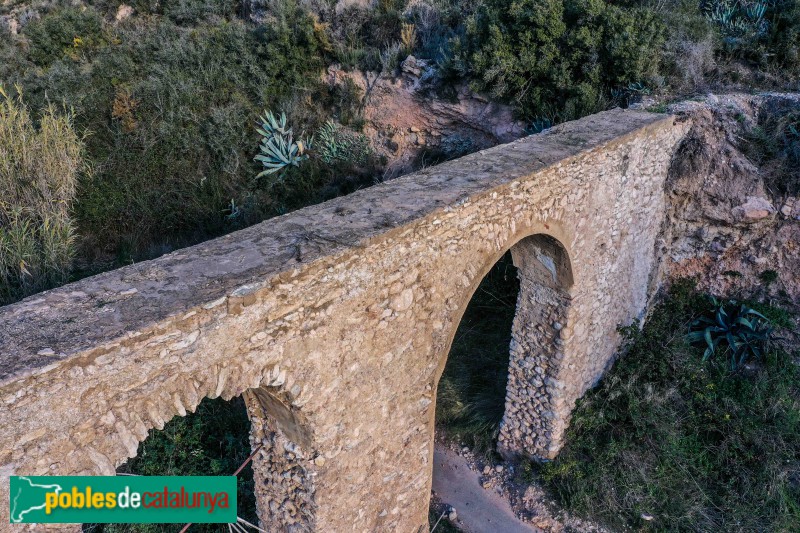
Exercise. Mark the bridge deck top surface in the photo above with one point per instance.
(56, 324)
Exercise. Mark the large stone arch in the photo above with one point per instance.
(534, 409)
(348, 308)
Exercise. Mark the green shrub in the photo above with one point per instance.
(293, 50)
(385, 23)
(335, 143)
(558, 58)
(171, 110)
(690, 444)
(68, 32)
(768, 276)
(39, 170)
(367, 37)
(189, 11)
(774, 145)
(437, 23)
(182, 12)
(784, 36)
(689, 56)
(346, 104)
(391, 56)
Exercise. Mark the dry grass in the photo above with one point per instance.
(39, 169)
(774, 145)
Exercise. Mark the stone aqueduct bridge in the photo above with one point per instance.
(335, 322)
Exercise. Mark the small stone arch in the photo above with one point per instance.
(284, 467)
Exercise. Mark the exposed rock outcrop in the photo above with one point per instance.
(727, 227)
(406, 121)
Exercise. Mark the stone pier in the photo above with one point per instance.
(335, 322)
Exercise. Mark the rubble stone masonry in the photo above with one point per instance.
(335, 322)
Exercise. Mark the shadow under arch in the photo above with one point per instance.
(535, 414)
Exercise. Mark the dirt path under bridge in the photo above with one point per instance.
(478, 510)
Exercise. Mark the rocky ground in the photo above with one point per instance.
(413, 126)
(729, 226)
(528, 500)
(467, 504)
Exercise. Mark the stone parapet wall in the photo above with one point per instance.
(336, 322)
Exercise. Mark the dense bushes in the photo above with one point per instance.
(39, 170)
(170, 111)
(689, 55)
(668, 442)
(169, 95)
(767, 32)
(367, 38)
(774, 144)
(558, 58)
(784, 39)
(69, 32)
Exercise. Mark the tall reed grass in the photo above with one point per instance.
(39, 169)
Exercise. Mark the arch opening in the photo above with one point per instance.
(274, 487)
(500, 389)
(470, 400)
(211, 441)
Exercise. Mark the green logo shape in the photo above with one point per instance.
(122, 499)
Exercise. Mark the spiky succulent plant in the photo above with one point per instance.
(277, 149)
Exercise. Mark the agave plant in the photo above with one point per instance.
(339, 144)
(743, 332)
(539, 124)
(738, 18)
(278, 150)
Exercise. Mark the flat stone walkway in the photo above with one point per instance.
(479, 510)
